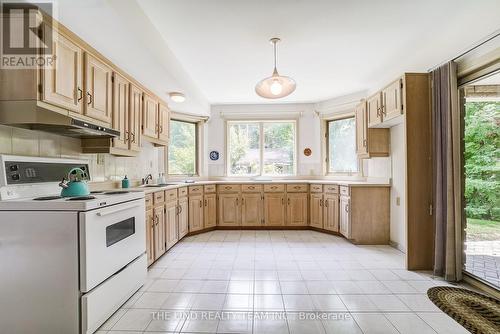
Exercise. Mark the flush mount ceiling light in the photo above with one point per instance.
(177, 97)
(275, 86)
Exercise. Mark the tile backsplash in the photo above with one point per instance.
(103, 167)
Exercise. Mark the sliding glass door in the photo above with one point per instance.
(481, 161)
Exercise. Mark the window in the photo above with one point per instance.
(182, 149)
(261, 148)
(341, 146)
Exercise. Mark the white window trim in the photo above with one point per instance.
(261, 129)
(199, 122)
(324, 146)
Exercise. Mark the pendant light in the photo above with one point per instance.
(276, 86)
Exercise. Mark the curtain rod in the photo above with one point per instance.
(472, 48)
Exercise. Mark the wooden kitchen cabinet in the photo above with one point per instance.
(373, 105)
(331, 212)
(297, 213)
(369, 142)
(195, 213)
(345, 217)
(134, 118)
(229, 209)
(392, 105)
(120, 119)
(150, 248)
(183, 216)
(62, 86)
(159, 231)
(171, 223)
(274, 209)
(251, 209)
(150, 117)
(163, 123)
(210, 210)
(98, 89)
(316, 210)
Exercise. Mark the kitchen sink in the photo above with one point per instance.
(157, 185)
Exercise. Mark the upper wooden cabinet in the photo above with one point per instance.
(121, 110)
(369, 142)
(373, 105)
(134, 118)
(150, 117)
(98, 89)
(392, 105)
(163, 123)
(62, 86)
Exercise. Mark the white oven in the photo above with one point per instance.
(110, 239)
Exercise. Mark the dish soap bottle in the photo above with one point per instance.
(125, 182)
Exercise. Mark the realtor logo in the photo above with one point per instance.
(26, 35)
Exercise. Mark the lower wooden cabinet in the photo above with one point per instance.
(331, 212)
(159, 231)
(210, 210)
(316, 210)
(150, 248)
(195, 213)
(345, 217)
(182, 216)
(296, 209)
(274, 209)
(229, 209)
(251, 209)
(171, 222)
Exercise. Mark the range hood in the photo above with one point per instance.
(36, 118)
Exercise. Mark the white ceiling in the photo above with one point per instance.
(217, 50)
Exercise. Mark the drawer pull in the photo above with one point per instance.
(274, 187)
(227, 187)
(251, 187)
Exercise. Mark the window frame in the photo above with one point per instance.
(197, 150)
(261, 123)
(326, 146)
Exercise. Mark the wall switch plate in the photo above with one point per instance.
(398, 201)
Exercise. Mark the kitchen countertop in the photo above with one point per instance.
(174, 185)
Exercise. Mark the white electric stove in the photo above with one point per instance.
(67, 263)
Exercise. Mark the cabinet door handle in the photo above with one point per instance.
(288, 201)
(364, 142)
(320, 202)
(326, 203)
(80, 94)
(180, 209)
(383, 110)
(347, 208)
(378, 112)
(205, 202)
(157, 219)
(237, 201)
(127, 136)
(242, 201)
(160, 129)
(90, 98)
(282, 201)
(201, 203)
(132, 134)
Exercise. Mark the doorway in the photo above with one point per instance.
(480, 101)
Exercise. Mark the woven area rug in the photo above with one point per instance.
(476, 312)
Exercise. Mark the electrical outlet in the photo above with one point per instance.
(398, 201)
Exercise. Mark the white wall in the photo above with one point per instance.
(398, 225)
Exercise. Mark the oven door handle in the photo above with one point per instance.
(111, 211)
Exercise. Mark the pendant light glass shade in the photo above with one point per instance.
(275, 86)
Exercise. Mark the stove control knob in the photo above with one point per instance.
(14, 168)
(15, 177)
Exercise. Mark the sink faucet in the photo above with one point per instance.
(146, 179)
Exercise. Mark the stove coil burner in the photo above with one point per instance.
(97, 192)
(46, 198)
(81, 198)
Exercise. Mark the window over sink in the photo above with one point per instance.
(183, 148)
(341, 146)
(257, 148)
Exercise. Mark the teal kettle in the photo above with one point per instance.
(75, 185)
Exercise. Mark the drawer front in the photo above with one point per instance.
(344, 190)
(316, 188)
(182, 191)
(171, 195)
(148, 199)
(274, 188)
(209, 188)
(331, 188)
(229, 188)
(195, 190)
(251, 188)
(296, 188)
(158, 197)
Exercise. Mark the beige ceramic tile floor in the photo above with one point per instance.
(281, 282)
